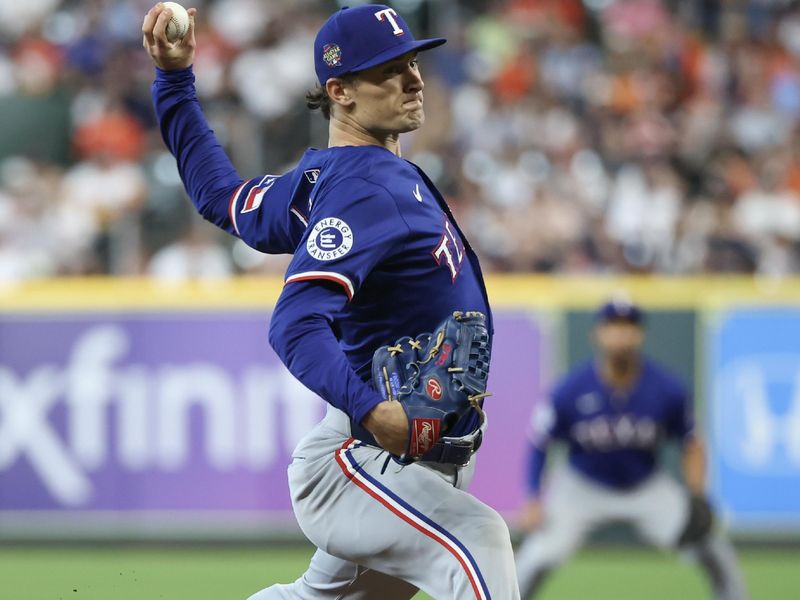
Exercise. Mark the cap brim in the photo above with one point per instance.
(619, 319)
(635, 317)
(399, 50)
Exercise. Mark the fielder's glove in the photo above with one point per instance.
(438, 377)
(699, 523)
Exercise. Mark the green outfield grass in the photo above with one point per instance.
(112, 573)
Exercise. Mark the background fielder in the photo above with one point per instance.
(615, 414)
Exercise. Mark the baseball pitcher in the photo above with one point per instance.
(384, 314)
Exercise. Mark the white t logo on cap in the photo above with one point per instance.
(390, 15)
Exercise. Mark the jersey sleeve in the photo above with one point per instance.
(542, 423)
(301, 333)
(537, 457)
(681, 423)
(552, 420)
(213, 185)
(352, 228)
(540, 432)
(261, 214)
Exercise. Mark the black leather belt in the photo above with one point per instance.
(448, 450)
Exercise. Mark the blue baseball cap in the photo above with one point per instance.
(619, 310)
(354, 39)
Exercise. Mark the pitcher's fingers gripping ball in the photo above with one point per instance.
(438, 377)
(178, 24)
(168, 35)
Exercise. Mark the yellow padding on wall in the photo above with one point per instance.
(532, 291)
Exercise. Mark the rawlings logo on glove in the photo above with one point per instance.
(438, 377)
(424, 433)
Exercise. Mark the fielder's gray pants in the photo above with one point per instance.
(658, 509)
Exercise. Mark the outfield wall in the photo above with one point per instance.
(135, 409)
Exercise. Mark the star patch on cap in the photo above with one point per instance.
(332, 55)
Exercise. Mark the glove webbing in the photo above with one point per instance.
(394, 350)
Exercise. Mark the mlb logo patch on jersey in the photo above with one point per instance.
(330, 239)
(312, 175)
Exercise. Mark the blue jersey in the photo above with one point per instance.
(380, 233)
(377, 253)
(614, 437)
(380, 230)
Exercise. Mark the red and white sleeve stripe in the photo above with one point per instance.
(232, 206)
(327, 275)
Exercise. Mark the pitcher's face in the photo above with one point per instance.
(388, 97)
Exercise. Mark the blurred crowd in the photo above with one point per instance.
(568, 136)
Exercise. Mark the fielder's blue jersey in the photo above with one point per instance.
(614, 437)
(359, 218)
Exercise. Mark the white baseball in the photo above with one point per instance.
(179, 23)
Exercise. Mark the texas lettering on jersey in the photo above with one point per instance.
(606, 433)
(449, 251)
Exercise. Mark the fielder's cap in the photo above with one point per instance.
(619, 310)
(354, 39)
